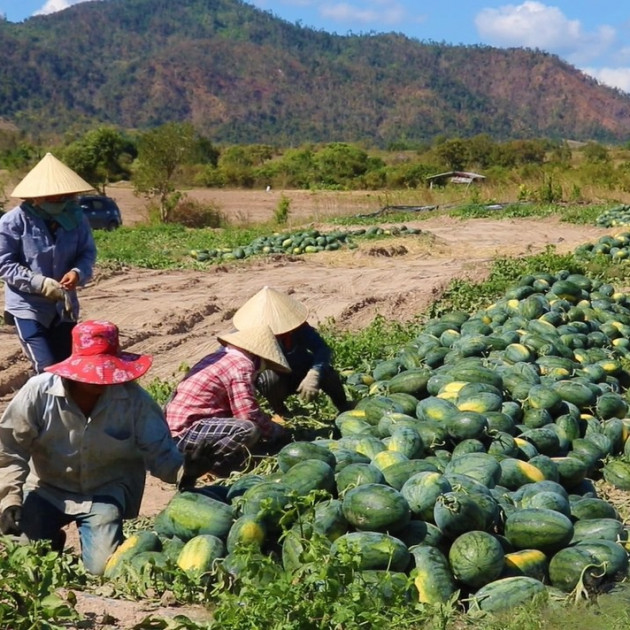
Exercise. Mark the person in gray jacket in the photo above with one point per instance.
(75, 445)
(46, 252)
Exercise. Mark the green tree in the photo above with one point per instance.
(15, 152)
(519, 152)
(236, 165)
(595, 153)
(101, 156)
(453, 153)
(408, 175)
(205, 152)
(480, 149)
(161, 154)
(504, 155)
(338, 163)
(529, 151)
(259, 153)
(294, 169)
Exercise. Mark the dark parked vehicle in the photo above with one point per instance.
(102, 212)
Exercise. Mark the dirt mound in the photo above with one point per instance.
(396, 250)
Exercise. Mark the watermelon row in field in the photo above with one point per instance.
(297, 243)
(614, 248)
(466, 467)
(617, 216)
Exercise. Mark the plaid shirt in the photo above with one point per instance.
(221, 385)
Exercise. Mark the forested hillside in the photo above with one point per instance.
(242, 75)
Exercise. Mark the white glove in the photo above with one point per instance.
(309, 387)
(52, 290)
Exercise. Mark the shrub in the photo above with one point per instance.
(194, 214)
(549, 191)
(281, 213)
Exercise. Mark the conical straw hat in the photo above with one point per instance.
(261, 342)
(279, 311)
(50, 177)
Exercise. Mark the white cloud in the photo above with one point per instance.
(369, 13)
(377, 12)
(52, 6)
(536, 25)
(613, 77)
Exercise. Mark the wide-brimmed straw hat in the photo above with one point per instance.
(261, 342)
(279, 311)
(50, 177)
(97, 359)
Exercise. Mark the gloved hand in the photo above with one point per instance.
(197, 462)
(309, 387)
(52, 290)
(10, 520)
(279, 435)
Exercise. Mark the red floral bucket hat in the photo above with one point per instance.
(97, 359)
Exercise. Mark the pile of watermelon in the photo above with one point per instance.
(297, 243)
(466, 467)
(613, 248)
(617, 216)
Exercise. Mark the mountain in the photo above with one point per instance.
(242, 75)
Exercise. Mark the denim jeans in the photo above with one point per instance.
(100, 529)
(44, 346)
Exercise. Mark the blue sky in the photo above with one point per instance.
(593, 35)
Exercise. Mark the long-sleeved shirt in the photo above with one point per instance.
(305, 340)
(221, 385)
(47, 443)
(29, 252)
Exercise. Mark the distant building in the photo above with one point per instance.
(454, 177)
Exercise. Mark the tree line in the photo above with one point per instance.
(169, 158)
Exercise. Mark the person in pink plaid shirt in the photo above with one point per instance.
(216, 402)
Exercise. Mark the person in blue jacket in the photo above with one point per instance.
(46, 251)
(307, 353)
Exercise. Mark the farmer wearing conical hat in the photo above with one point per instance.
(76, 442)
(46, 252)
(308, 355)
(216, 401)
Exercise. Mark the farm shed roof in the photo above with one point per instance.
(455, 177)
